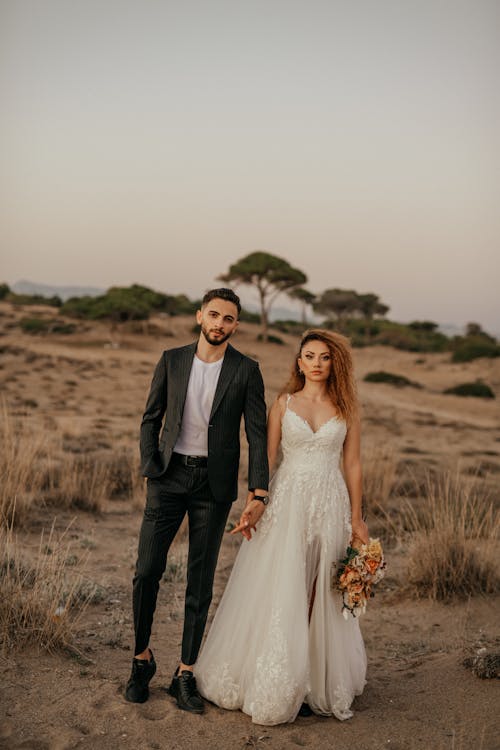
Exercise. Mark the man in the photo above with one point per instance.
(203, 390)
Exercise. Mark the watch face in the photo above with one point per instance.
(263, 498)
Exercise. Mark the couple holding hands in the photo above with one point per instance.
(278, 645)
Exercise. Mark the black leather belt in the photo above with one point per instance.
(193, 461)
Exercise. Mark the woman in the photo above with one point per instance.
(278, 638)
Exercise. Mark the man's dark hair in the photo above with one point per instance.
(222, 293)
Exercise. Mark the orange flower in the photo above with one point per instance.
(371, 565)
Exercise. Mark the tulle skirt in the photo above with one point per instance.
(263, 654)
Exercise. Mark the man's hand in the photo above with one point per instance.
(250, 516)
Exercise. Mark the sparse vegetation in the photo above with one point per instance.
(20, 477)
(122, 304)
(379, 476)
(475, 344)
(176, 563)
(270, 338)
(419, 336)
(38, 325)
(453, 531)
(39, 601)
(478, 389)
(37, 469)
(467, 349)
(400, 381)
(4, 290)
(33, 299)
(484, 664)
(77, 481)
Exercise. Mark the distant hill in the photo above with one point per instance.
(49, 290)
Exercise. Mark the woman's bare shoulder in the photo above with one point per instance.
(280, 403)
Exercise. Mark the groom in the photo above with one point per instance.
(203, 390)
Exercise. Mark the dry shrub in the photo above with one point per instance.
(176, 569)
(454, 539)
(125, 479)
(39, 601)
(23, 447)
(34, 470)
(76, 482)
(379, 476)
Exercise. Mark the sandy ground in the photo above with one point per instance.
(92, 386)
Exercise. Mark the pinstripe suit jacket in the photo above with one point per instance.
(239, 392)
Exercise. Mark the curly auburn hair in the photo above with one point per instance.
(341, 384)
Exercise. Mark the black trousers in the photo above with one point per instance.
(180, 490)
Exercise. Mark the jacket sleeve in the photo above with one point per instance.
(153, 414)
(256, 431)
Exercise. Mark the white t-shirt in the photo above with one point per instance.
(193, 436)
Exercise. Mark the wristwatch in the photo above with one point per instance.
(263, 498)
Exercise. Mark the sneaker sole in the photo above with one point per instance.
(172, 693)
(142, 699)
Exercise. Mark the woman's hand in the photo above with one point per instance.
(359, 531)
(251, 514)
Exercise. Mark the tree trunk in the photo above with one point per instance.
(263, 315)
(304, 314)
(265, 324)
(368, 322)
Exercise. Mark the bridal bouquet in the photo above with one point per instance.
(356, 574)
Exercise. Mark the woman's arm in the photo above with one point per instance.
(274, 430)
(255, 508)
(353, 478)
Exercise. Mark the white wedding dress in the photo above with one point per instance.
(262, 654)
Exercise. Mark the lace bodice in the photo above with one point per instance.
(310, 475)
(298, 436)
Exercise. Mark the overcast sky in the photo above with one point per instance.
(157, 142)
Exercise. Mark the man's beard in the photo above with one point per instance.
(214, 342)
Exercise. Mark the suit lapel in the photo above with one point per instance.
(228, 369)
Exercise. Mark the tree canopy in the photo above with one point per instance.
(269, 274)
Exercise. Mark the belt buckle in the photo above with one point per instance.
(191, 461)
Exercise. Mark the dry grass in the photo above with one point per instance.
(453, 540)
(40, 601)
(125, 478)
(37, 469)
(379, 476)
(76, 482)
(176, 569)
(22, 449)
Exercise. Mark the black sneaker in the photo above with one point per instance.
(305, 710)
(183, 689)
(137, 690)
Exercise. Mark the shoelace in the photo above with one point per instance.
(189, 683)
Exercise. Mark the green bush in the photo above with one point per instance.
(33, 299)
(127, 303)
(44, 325)
(289, 326)
(249, 317)
(59, 326)
(478, 389)
(419, 336)
(400, 381)
(34, 325)
(467, 348)
(4, 290)
(271, 339)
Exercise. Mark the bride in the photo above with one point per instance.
(278, 642)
